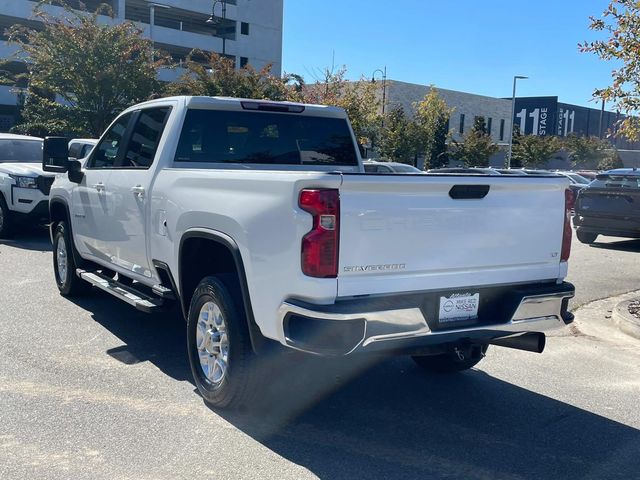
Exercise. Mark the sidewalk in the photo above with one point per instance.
(625, 320)
(608, 319)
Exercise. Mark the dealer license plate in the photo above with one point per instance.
(459, 307)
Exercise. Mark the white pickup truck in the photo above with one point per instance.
(24, 187)
(257, 219)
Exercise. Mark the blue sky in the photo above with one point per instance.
(469, 45)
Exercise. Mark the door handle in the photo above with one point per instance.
(138, 191)
(99, 187)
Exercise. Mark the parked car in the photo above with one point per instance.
(534, 171)
(574, 177)
(509, 171)
(588, 174)
(371, 166)
(81, 147)
(578, 182)
(466, 170)
(24, 187)
(257, 219)
(609, 206)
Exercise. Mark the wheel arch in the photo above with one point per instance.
(223, 258)
(58, 212)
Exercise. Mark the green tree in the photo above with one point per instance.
(620, 23)
(96, 69)
(359, 99)
(591, 153)
(476, 147)
(396, 140)
(210, 74)
(431, 129)
(533, 151)
(480, 125)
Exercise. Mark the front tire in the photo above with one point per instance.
(586, 237)
(220, 352)
(64, 265)
(5, 219)
(451, 362)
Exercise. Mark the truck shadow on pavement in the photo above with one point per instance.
(372, 418)
(159, 339)
(35, 239)
(394, 421)
(622, 246)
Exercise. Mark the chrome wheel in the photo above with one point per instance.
(212, 343)
(61, 260)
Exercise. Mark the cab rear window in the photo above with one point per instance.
(617, 181)
(215, 136)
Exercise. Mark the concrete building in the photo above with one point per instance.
(533, 115)
(466, 108)
(250, 32)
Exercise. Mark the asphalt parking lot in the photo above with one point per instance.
(94, 389)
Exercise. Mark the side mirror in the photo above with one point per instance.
(55, 154)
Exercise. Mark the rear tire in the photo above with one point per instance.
(5, 219)
(450, 362)
(219, 346)
(64, 265)
(586, 237)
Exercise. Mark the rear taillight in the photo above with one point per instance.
(569, 201)
(320, 245)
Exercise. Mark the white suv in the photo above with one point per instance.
(24, 187)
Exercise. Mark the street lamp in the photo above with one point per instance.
(384, 86)
(513, 114)
(152, 19)
(215, 20)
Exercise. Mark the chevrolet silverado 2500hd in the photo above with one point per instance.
(257, 218)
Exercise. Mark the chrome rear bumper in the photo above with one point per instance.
(343, 328)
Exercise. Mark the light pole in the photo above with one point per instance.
(513, 114)
(152, 20)
(213, 19)
(384, 86)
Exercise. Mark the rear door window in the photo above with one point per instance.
(265, 138)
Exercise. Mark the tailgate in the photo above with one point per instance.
(406, 233)
(619, 203)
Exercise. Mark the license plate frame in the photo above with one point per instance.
(458, 308)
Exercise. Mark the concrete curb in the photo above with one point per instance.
(626, 322)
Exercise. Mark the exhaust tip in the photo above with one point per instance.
(529, 342)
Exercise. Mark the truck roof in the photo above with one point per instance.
(231, 103)
(12, 136)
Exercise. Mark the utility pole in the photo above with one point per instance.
(600, 133)
(513, 114)
(384, 87)
(213, 19)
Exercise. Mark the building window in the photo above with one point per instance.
(489, 121)
(243, 62)
(501, 129)
(244, 28)
(461, 129)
